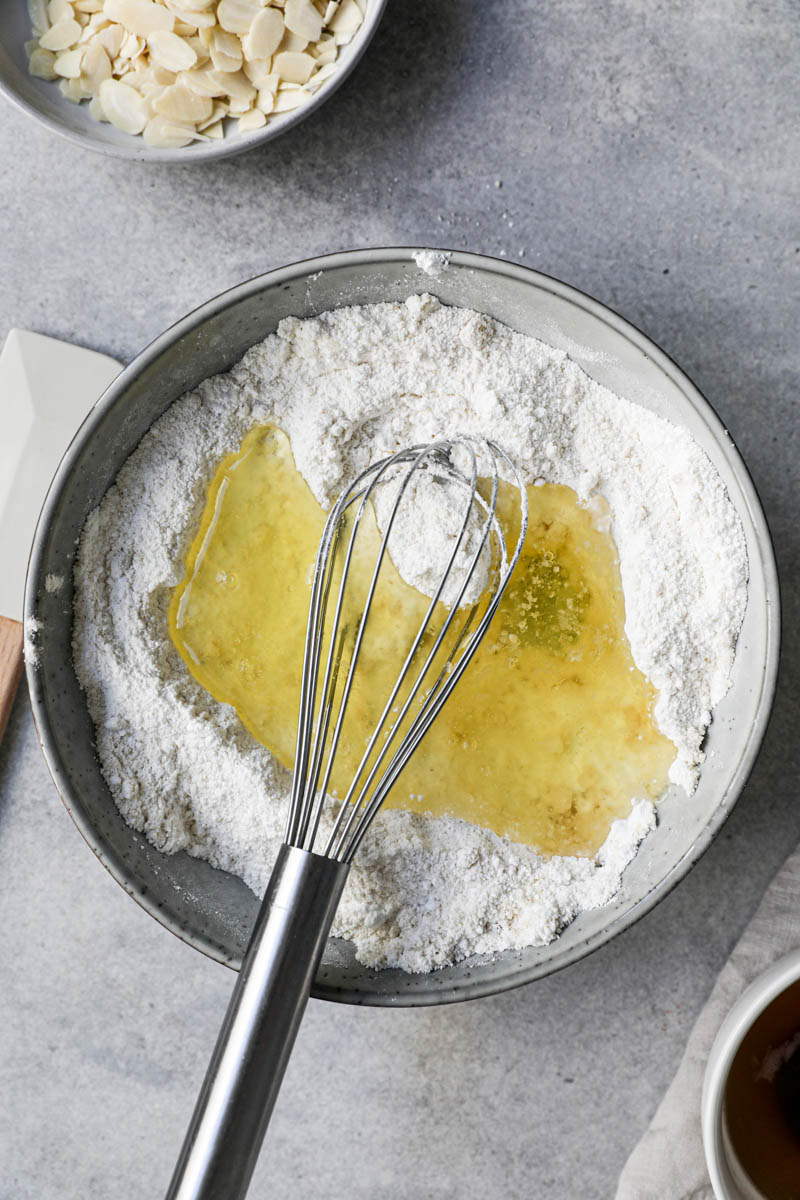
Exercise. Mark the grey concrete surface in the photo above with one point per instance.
(645, 151)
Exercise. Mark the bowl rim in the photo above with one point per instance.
(754, 1000)
(231, 144)
(412, 996)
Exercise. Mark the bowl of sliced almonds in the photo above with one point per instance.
(178, 80)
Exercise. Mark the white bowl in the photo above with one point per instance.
(42, 100)
(728, 1178)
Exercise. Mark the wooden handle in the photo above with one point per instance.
(10, 667)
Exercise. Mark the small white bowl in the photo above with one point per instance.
(727, 1175)
(42, 100)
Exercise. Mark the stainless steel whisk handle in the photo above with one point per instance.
(244, 1076)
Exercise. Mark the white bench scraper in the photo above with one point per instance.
(46, 389)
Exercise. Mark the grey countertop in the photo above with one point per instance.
(643, 150)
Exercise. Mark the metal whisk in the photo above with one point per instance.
(246, 1069)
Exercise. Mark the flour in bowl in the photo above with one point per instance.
(348, 387)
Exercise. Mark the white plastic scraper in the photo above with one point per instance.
(46, 389)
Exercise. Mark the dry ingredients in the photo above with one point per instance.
(346, 387)
(174, 71)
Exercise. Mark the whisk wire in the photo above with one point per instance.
(316, 791)
(303, 786)
(319, 732)
(435, 701)
(337, 846)
(347, 806)
(338, 838)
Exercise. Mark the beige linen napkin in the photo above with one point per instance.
(668, 1163)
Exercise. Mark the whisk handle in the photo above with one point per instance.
(244, 1076)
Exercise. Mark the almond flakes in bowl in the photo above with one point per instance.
(173, 71)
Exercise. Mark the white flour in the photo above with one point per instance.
(348, 387)
(427, 527)
(432, 262)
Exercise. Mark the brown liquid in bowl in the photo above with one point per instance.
(762, 1099)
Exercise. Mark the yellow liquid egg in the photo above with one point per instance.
(548, 737)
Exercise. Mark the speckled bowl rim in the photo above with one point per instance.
(414, 993)
(232, 143)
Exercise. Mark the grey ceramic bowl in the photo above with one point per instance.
(42, 100)
(214, 911)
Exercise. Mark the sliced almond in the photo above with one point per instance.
(324, 72)
(266, 34)
(266, 100)
(61, 36)
(293, 67)
(68, 64)
(237, 86)
(285, 101)
(348, 19)
(199, 20)
(225, 50)
(71, 90)
(270, 83)
(161, 75)
(204, 83)
(37, 11)
(199, 47)
(60, 10)
(180, 104)
(237, 15)
(111, 39)
(159, 131)
(132, 46)
(254, 119)
(171, 51)
(96, 67)
(96, 109)
(325, 51)
(215, 131)
(303, 19)
(88, 6)
(291, 41)
(41, 63)
(141, 17)
(219, 111)
(123, 106)
(256, 70)
(138, 77)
